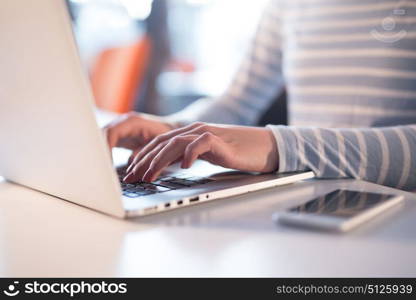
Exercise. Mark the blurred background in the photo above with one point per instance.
(158, 56)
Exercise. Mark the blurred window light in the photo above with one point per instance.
(103, 24)
(78, 1)
(214, 35)
(138, 9)
(198, 2)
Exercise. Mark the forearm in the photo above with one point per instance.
(382, 155)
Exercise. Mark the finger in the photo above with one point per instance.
(164, 137)
(211, 148)
(111, 137)
(132, 156)
(201, 145)
(169, 154)
(136, 171)
(117, 129)
(133, 162)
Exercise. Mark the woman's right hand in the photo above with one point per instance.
(133, 131)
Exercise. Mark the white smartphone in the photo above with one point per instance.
(340, 210)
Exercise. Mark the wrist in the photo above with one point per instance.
(273, 153)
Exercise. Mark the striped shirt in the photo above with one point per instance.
(349, 67)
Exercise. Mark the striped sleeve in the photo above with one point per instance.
(385, 156)
(256, 83)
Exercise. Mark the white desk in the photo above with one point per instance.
(43, 236)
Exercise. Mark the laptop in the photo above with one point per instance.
(50, 138)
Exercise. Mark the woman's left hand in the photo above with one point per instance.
(236, 147)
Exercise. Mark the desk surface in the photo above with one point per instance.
(43, 236)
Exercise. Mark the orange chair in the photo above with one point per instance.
(117, 75)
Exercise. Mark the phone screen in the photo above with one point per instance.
(342, 203)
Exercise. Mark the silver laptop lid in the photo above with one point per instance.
(49, 137)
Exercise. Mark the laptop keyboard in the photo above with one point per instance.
(163, 184)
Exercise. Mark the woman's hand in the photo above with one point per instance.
(133, 131)
(236, 147)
